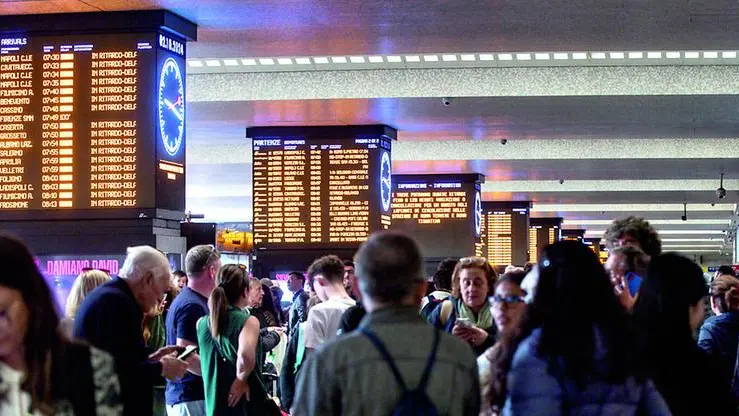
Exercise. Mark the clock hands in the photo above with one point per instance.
(171, 106)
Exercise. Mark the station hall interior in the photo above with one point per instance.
(590, 110)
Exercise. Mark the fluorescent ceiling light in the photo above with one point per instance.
(688, 240)
(541, 56)
(710, 55)
(430, 58)
(523, 56)
(667, 232)
(302, 61)
(320, 60)
(376, 59)
(654, 55)
(598, 55)
(468, 57)
(579, 56)
(696, 251)
(628, 207)
(195, 63)
(394, 59)
(230, 62)
(672, 55)
(692, 55)
(561, 56)
(357, 59)
(503, 57)
(248, 62)
(448, 58)
(652, 222)
(616, 55)
(266, 61)
(338, 59)
(285, 61)
(413, 58)
(636, 55)
(212, 62)
(728, 54)
(667, 247)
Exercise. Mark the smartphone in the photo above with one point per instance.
(465, 322)
(188, 351)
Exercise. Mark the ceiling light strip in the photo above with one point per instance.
(443, 60)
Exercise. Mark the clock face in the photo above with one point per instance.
(478, 214)
(171, 104)
(385, 181)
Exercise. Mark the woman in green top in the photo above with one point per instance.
(228, 341)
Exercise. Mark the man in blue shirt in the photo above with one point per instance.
(186, 397)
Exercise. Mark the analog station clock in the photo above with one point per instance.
(385, 181)
(171, 104)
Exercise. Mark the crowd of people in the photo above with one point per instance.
(374, 336)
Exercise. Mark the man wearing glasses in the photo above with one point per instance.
(185, 397)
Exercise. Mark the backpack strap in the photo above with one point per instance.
(391, 362)
(385, 356)
(446, 311)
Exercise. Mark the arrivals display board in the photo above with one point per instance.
(320, 187)
(542, 232)
(505, 237)
(443, 213)
(91, 125)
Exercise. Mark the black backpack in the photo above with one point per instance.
(412, 402)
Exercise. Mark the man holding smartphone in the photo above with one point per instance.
(186, 397)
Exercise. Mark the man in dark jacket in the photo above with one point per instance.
(299, 308)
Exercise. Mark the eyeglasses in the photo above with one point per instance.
(508, 300)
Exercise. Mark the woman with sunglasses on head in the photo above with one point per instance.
(508, 308)
(41, 371)
(466, 314)
(669, 310)
(228, 339)
(576, 355)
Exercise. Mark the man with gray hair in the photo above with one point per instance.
(110, 318)
(394, 352)
(187, 395)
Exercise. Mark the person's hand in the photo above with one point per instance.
(622, 291)
(462, 332)
(173, 368)
(239, 388)
(476, 336)
(277, 329)
(169, 349)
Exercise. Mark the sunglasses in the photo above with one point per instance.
(508, 300)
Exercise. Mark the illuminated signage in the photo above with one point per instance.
(439, 212)
(505, 239)
(312, 191)
(76, 117)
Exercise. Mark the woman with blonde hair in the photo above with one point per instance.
(466, 314)
(85, 283)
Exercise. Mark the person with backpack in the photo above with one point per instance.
(394, 363)
(442, 286)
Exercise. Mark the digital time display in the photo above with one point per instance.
(325, 191)
(443, 213)
(91, 125)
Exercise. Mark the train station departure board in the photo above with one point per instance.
(542, 232)
(441, 212)
(91, 125)
(505, 236)
(320, 187)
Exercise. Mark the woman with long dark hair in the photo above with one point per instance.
(577, 357)
(229, 341)
(670, 307)
(41, 371)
